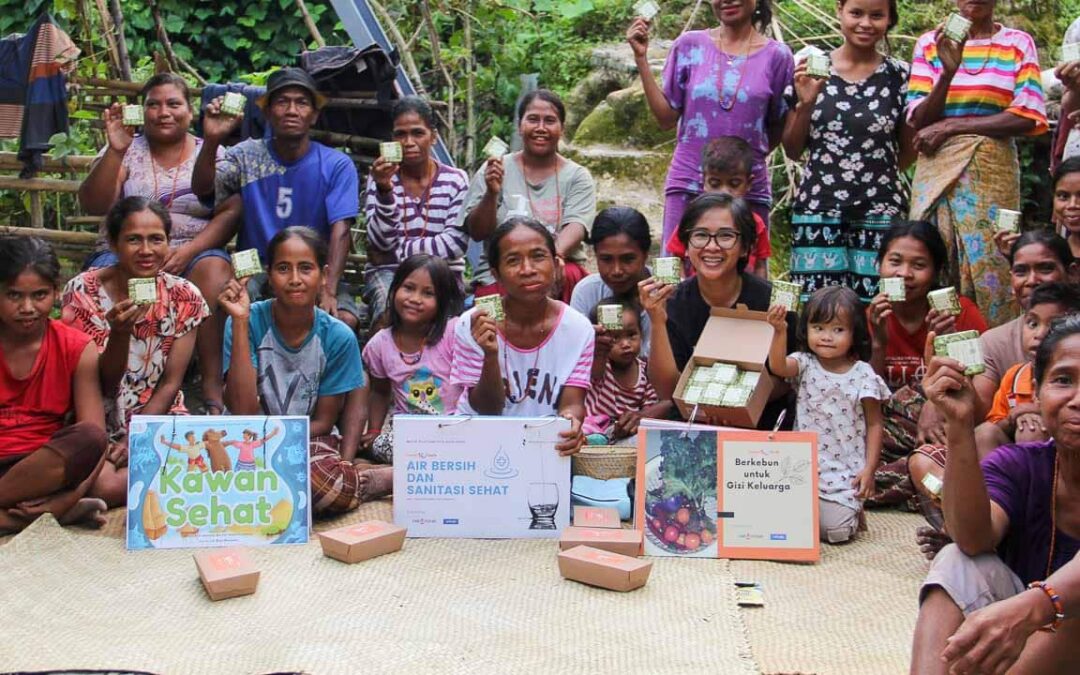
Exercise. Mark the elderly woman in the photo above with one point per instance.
(157, 165)
(724, 81)
(1015, 518)
(967, 100)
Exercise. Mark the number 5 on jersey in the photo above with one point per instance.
(284, 202)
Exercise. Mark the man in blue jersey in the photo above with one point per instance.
(286, 179)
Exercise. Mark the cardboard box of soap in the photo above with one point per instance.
(605, 569)
(596, 516)
(624, 542)
(226, 572)
(354, 543)
(739, 337)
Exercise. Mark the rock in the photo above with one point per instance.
(588, 93)
(618, 56)
(623, 118)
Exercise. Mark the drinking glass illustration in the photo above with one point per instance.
(543, 502)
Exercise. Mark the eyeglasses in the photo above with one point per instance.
(725, 239)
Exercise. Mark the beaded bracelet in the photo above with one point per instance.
(1055, 600)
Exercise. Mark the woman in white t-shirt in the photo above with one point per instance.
(534, 360)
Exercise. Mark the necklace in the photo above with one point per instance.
(719, 40)
(426, 197)
(176, 173)
(523, 387)
(1053, 515)
(558, 194)
(986, 59)
(410, 359)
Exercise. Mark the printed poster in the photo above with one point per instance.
(480, 477)
(204, 481)
(727, 494)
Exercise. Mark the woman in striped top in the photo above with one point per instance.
(535, 359)
(412, 207)
(967, 100)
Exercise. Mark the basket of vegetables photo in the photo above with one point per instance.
(680, 496)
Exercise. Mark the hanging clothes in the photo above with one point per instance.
(33, 88)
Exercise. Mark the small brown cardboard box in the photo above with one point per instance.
(624, 542)
(226, 572)
(595, 516)
(603, 568)
(354, 543)
(739, 337)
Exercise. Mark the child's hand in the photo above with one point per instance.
(604, 342)
(940, 324)
(864, 483)
(485, 332)
(654, 295)
(1030, 429)
(778, 319)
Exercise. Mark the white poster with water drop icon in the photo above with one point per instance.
(480, 477)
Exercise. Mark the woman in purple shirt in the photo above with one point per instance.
(725, 81)
(1015, 519)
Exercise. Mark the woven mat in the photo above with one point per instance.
(852, 613)
(72, 599)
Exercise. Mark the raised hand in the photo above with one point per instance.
(638, 37)
(234, 300)
(216, 125)
(493, 175)
(485, 332)
(807, 88)
(119, 135)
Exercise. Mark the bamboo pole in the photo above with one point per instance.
(58, 236)
(39, 184)
(470, 88)
(9, 161)
(121, 43)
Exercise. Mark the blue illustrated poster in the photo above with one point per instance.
(217, 481)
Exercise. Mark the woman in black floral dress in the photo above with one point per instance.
(852, 125)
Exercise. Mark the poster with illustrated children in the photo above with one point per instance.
(715, 493)
(205, 481)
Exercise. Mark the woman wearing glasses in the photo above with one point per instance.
(718, 231)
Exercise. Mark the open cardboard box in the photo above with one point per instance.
(605, 569)
(623, 542)
(361, 541)
(226, 572)
(742, 338)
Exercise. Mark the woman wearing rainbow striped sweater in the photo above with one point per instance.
(967, 99)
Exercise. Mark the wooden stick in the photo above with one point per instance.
(334, 138)
(9, 161)
(107, 31)
(390, 25)
(59, 236)
(121, 43)
(39, 184)
(312, 28)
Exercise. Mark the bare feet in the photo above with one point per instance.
(87, 511)
(376, 483)
(931, 541)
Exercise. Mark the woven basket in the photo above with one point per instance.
(605, 462)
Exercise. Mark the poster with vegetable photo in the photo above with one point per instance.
(677, 493)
